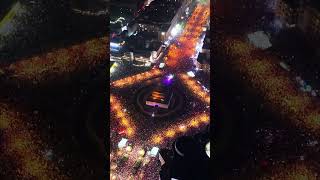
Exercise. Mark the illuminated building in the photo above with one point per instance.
(116, 44)
(155, 18)
(160, 97)
(141, 59)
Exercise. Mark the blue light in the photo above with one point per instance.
(115, 45)
(114, 49)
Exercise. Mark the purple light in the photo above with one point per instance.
(168, 79)
(170, 76)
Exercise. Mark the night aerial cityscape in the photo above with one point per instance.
(159, 89)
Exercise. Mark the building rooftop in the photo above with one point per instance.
(143, 41)
(158, 12)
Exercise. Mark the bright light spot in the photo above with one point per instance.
(194, 123)
(124, 121)
(129, 148)
(113, 67)
(115, 45)
(163, 33)
(170, 133)
(154, 151)
(114, 50)
(119, 153)
(157, 139)
(170, 76)
(120, 114)
(122, 132)
(141, 152)
(176, 30)
(204, 29)
(120, 19)
(147, 160)
(113, 166)
(148, 2)
(129, 131)
(182, 128)
(208, 149)
(122, 143)
(161, 65)
(204, 118)
(124, 28)
(199, 47)
(191, 74)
